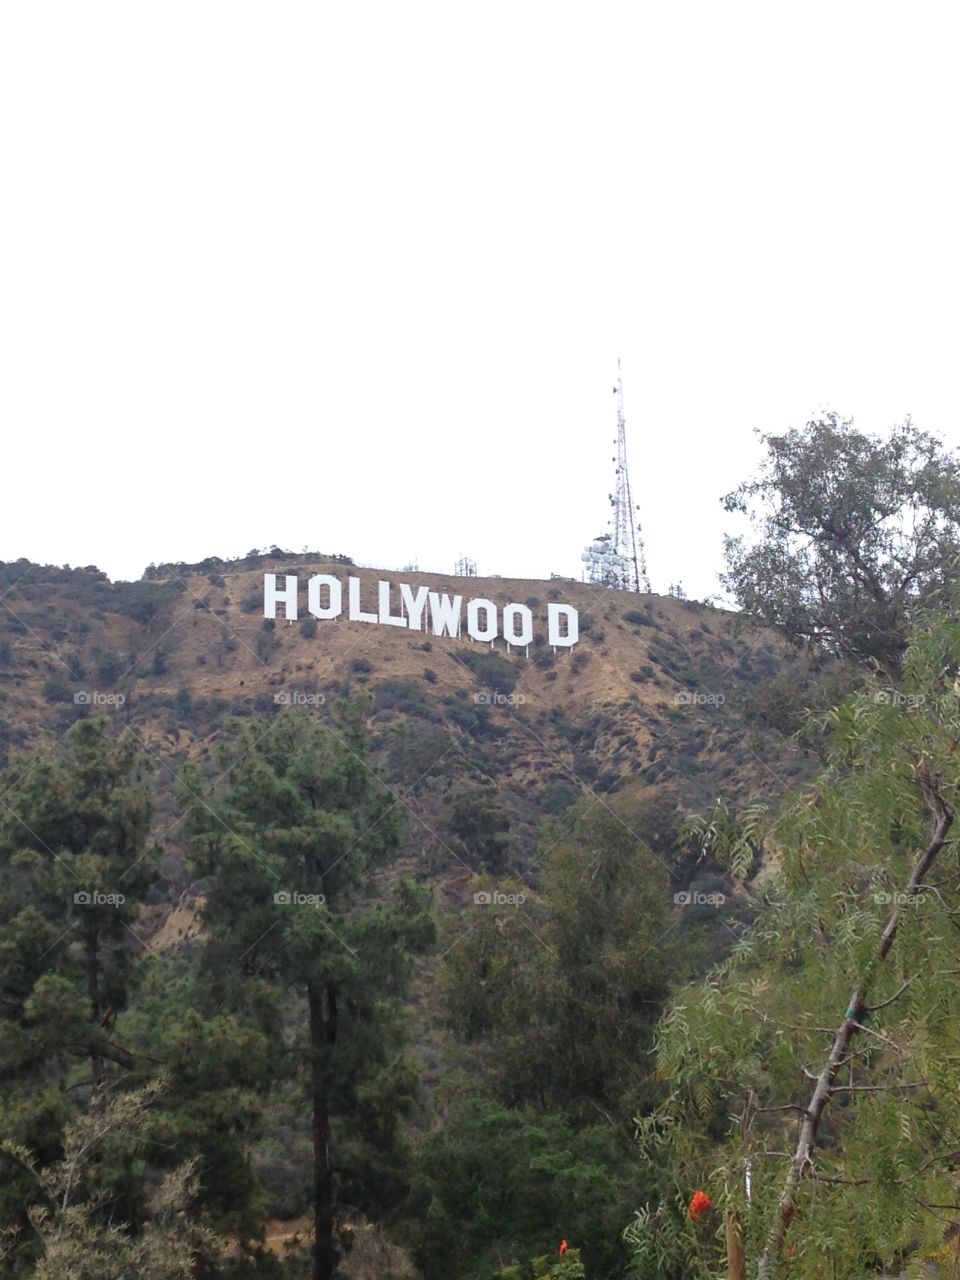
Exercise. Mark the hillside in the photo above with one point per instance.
(480, 744)
(504, 763)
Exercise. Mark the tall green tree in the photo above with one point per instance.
(814, 1073)
(853, 531)
(219, 1072)
(560, 994)
(552, 999)
(75, 864)
(289, 842)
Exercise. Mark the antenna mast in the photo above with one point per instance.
(627, 534)
(618, 559)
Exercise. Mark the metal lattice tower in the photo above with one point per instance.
(618, 559)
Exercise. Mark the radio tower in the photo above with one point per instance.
(618, 559)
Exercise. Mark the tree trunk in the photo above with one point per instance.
(323, 1034)
(736, 1258)
(93, 991)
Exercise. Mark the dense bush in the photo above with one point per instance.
(639, 618)
(472, 816)
(401, 695)
(266, 640)
(492, 671)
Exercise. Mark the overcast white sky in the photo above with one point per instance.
(356, 276)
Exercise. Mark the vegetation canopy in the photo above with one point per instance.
(853, 532)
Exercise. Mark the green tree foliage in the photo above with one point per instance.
(491, 669)
(218, 1071)
(481, 828)
(500, 1183)
(567, 1267)
(77, 1240)
(818, 1063)
(854, 531)
(75, 863)
(553, 998)
(266, 640)
(417, 752)
(288, 843)
(562, 993)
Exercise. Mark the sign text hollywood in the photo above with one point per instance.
(420, 609)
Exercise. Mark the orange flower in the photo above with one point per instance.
(700, 1204)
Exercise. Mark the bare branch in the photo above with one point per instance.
(879, 1035)
(873, 1088)
(852, 1024)
(843, 1182)
(872, 1008)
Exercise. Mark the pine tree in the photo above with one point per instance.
(289, 840)
(219, 1071)
(75, 863)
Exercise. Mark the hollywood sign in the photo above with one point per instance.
(420, 609)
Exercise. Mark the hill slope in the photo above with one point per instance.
(479, 743)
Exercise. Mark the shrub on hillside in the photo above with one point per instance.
(110, 666)
(418, 752)
(266, 641)
(57, 687)
(639, 618)
(482, 829)
(401, 695)
(544, 658)
(558, 795)
(492, 671)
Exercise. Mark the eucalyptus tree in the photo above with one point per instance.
(853, 531)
